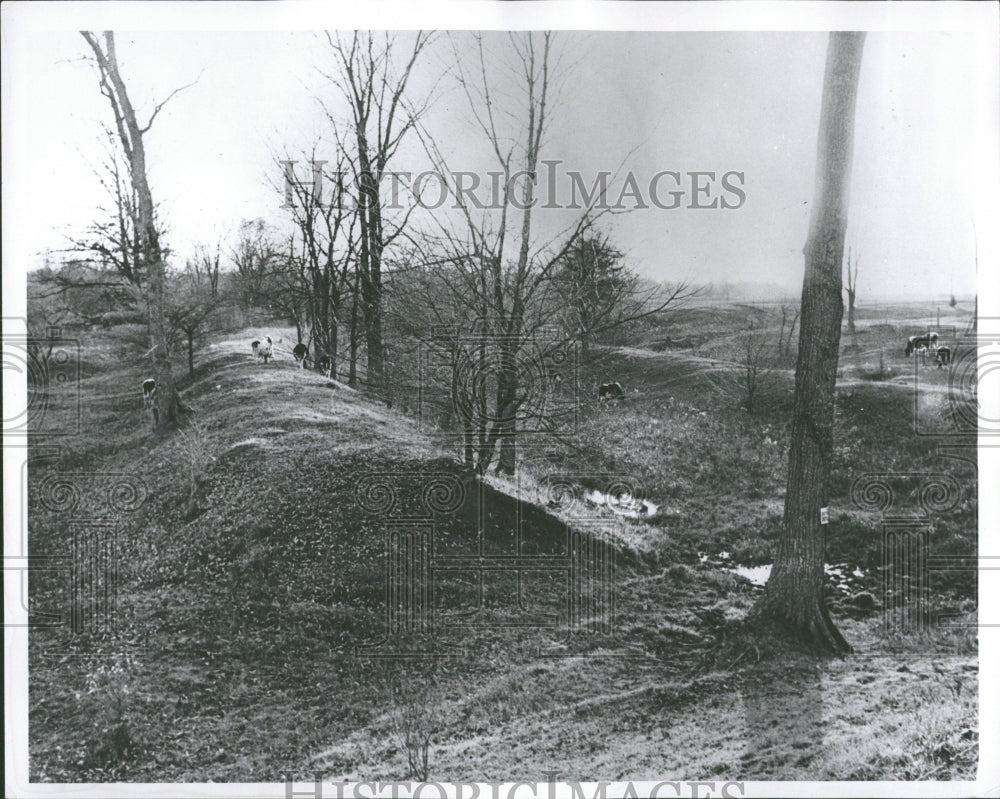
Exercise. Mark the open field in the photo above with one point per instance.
(253, 598)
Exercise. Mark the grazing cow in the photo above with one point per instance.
(610, 391)
(943, 356)
(325, 365)
(255, 345)
(148, 393)
(300, 352)
(264, 349)
(921, 344)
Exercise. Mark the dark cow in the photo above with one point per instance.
(300, 352)
(921, 344)
(255, 345)
(325, 365)
(942, 357)
(148, 393)
(610, 391)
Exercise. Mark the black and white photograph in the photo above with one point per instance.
(506, 400)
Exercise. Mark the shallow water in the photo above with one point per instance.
(841, 575)
(622, 505)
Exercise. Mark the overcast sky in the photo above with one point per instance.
(747, 102)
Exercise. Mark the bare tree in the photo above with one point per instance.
(489, 291)
(318, 276)
(112, 242)
(206, 265)
(374, 86)
(107, 257)
(130, 137)
(753, 364)
(599, 293)
(492, 288)
(852, 290)
(253, 255)
(793, 605)
(787, 330)
(192, 300)
(742, 378)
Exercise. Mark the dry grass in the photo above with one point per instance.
(248, 609)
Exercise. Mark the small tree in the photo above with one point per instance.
(742, 378)
(753, 366)
(206, 265)
(787, 331)
(191, 307)
(592, 280)
(316, 280)
(253, 255)
(852, 290)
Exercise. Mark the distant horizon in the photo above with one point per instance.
(767, 293)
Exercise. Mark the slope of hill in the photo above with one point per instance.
(272, 589)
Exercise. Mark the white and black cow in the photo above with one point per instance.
(921, 344)
(263, 349)
(148, 393)
(610, 391)
(300, 352)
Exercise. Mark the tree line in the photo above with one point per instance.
(360, 279)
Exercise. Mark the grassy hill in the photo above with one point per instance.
(256, 615)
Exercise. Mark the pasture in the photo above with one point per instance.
(252, 605)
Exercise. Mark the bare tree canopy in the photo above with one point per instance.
(130, 138)
(381, 115)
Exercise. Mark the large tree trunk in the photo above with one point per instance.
(370, 263)
(332, 351)
(506, 393)
(507, 410)
(352, 373)
(793, 604)
(167, 402)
